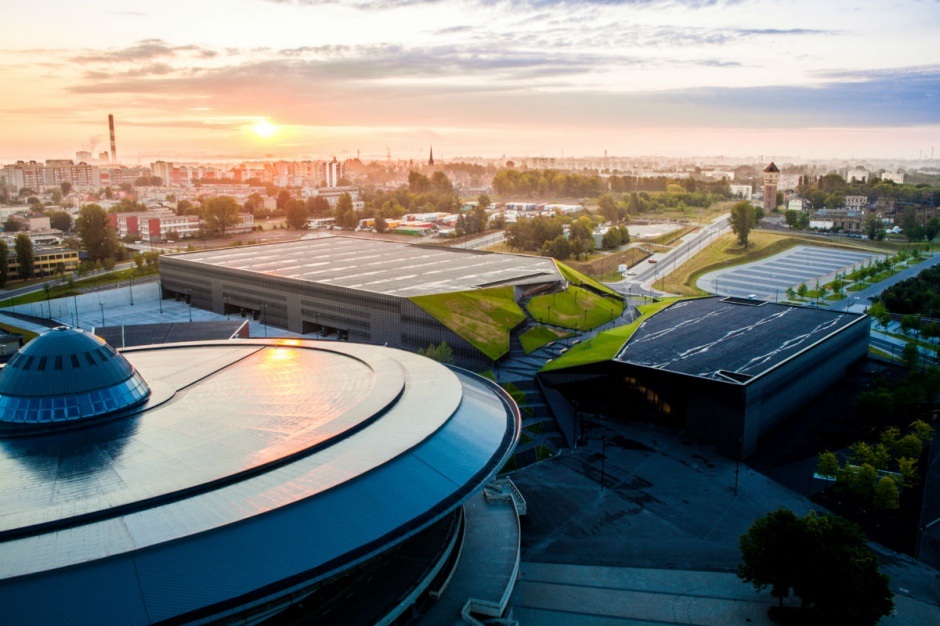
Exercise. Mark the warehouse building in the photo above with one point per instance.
(351, 288)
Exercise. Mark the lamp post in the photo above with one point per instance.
(130, 286)
(264, 312)
(160, 295)
(101, 304)
(48, 304)
(189, 301)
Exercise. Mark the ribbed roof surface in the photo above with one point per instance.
(63, 361)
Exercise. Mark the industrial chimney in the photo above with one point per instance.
(113, 146)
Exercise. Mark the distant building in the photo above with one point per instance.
(894, 177)
(333, 194)
(856, 203)
(47, 261)
(155, 226)
(797, 204)
(742, 191)
(771, 178)
(856, 175)
(788, 182)
(333, 171)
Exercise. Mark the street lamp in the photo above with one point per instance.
(130, 286)
(101, 304)
(160, 295)
(48, 304)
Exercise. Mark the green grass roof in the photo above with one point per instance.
(605, 345)
(483, 317)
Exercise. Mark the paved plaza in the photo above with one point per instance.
(769, 279)
(659, 543)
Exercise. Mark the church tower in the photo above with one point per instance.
(431, 158)
(771, 178)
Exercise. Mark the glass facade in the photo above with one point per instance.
(83, 405)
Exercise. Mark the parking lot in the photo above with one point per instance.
(770, 278)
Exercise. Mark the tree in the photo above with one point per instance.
(344, 203)
(12, 225)
(887, 496)
(4, 263)
(23, 246)
(97, 234)
(60, 220)
(741, 221)
(873, 227)
(825, 560)
(380, 224)
(253, 202)
(283, 197)
(880, 313)
(442, 353)
(484, 201)
(828, 464)
(318, 206)
(65, 186)
(296, 213)
(769, 555)
(220, 213)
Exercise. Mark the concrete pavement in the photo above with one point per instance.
(661, 539)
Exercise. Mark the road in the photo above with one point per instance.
(482, 242)
(648, 273)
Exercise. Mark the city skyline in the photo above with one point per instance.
(289, 79)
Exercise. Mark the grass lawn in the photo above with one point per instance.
(577, 278)
(575, 308)
(483, 317)
(857, 286)
(605, 345)
(538, 336)
(13, 330)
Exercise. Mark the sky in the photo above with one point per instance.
(234, 79)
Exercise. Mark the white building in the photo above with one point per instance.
(855, 202)
(856, 175)
(742, 191)
(894, 177)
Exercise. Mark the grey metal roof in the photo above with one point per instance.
(379, 266)
(729, 339)
(255, 466)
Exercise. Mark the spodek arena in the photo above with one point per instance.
(234, 481)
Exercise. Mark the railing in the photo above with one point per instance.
(502, 490)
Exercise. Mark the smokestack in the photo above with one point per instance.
(113, 146)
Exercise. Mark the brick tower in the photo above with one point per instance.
(771, 178)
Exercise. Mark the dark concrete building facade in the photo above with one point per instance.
(726, 369)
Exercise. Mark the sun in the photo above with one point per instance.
(264, 128)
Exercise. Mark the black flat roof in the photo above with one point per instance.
(729, 338)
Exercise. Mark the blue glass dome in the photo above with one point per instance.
(66, 375)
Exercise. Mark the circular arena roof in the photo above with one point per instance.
(256, 468)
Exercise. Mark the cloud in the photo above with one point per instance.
(373, 5)
(144, 50)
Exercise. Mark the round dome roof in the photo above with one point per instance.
(65, 375)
